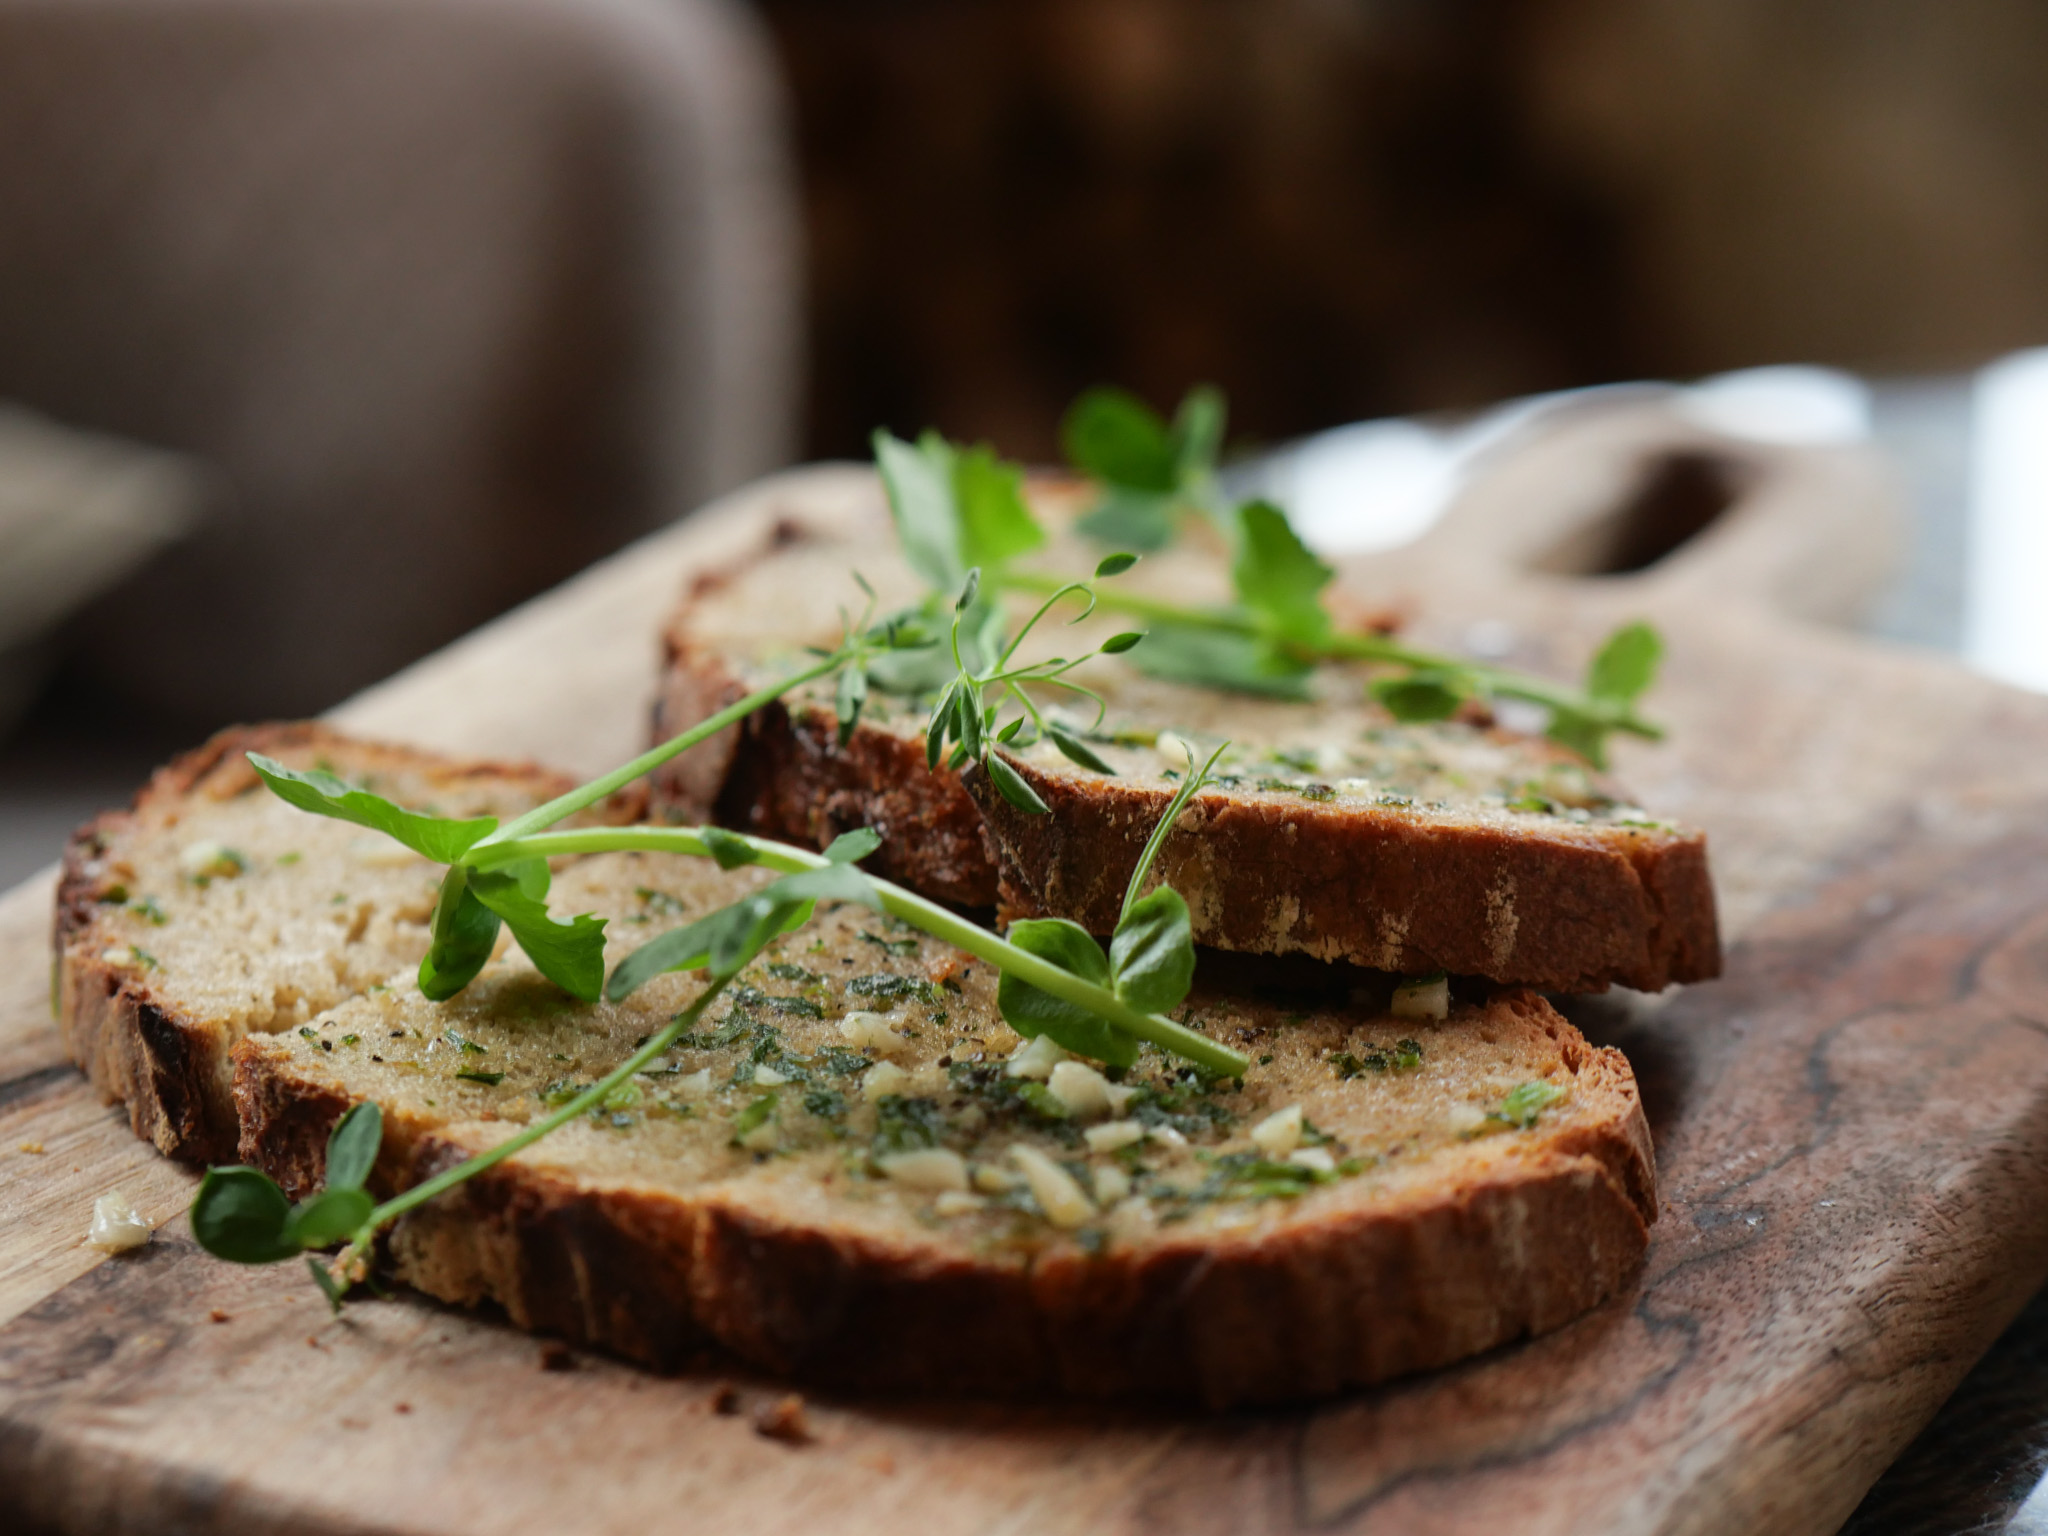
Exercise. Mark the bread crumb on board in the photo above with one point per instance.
(784, 1420)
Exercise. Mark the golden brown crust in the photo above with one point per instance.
(1365, 1291)
(1568, 909)
(134, 1042)
(783, 774)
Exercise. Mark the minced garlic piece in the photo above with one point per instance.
(1279, 1133)
(1052, 1187)
(932, 1168)
(115, 1226)
(883, 1079)
(1080, 1088)
(1036, 1058)
(872, 1031)
(1113, 1135)
(1428, 998)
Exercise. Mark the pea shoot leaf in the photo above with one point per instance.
(1149, 471)
(1421, 695)
(570, 954)
(1626, 665)
(437, 837)
(995, 524)
(465, 932)
(328, 1217)
(919, 482)
(1214, 658)
(1117, 438)
(1032, 1012)
(240, 1215)
(1152, 954)
(1075, 750)
(352, 1146)
(955, 509)
(729, 940)
(1278, 578)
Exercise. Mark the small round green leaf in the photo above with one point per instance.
(730, 851)
(240, 1216)
(328, 1217)
(1115, 565)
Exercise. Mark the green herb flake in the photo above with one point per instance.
(286, 860)
(351, 1039)
(891, 946)
(488, 1079)
(886, 986)
(754, 1116)
(1525, 1103)
(467, 1047)
(782, 970)
(146, 908)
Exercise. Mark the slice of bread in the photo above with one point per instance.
(826, 1179)
(1333, 831)
(210, 910)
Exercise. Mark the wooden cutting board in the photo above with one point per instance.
(1851, 1126)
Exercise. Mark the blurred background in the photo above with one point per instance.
(329, 330)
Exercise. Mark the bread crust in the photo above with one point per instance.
(781, 773)
(169, 1066)
(1570, 909)
(1552, 1225)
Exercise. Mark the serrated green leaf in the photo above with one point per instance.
(1130, 519)
(570, 954)
(1075, 750)
(1152, 953)
(329, 1217)
(352, 1146)
(1213, 658)
(1032, 1012)
(240, 1215)
(1626, 665)
(1278, 577)
(1586, 737)
(919, 483)
(1198, 433)
(439, 838)
(465, 931)
(1013, 786)
(996, 525)
(1117, 438)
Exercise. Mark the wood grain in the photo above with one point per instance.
(1852, 1129)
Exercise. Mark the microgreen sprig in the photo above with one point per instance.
(964, 722)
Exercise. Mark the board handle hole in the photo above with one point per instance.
(1677, 496)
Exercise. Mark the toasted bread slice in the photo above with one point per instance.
(1332, 832)
(826, 1179)
(211, 909)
